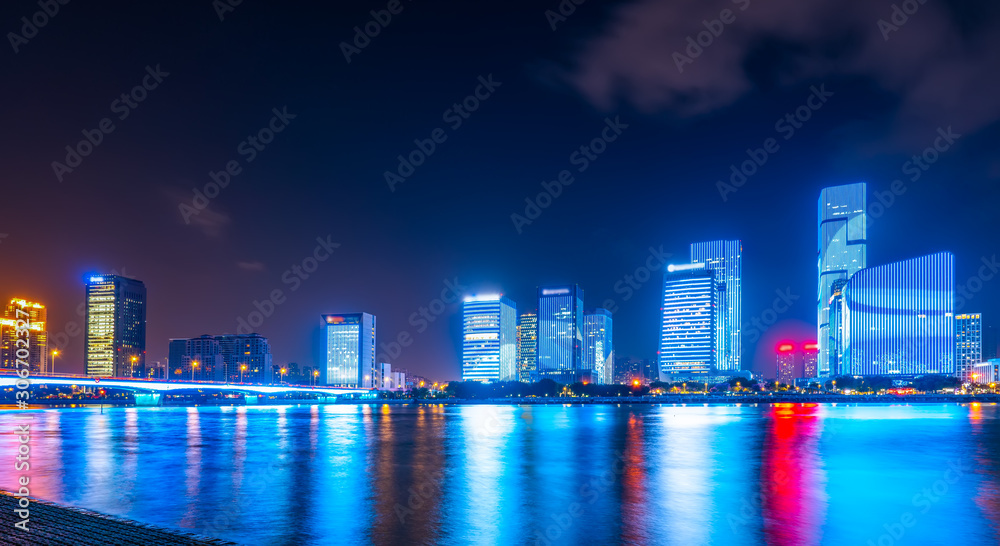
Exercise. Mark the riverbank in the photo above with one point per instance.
(50, 523)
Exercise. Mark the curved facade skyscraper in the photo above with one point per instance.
(899, 318)
(843, 242)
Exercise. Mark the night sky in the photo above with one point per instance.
(551, 91)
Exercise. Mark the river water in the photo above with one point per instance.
(478, 474)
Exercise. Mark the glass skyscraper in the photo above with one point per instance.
(687, 321)
(350, 350)
(489, 340)
(843, 224)
(726, 259)
(598, 348)
(115, 340)
(560, 330)
(527, 346)
(898, 318)
(968, 344)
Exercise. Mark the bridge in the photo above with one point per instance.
(150, 391)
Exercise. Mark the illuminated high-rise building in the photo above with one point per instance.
(489, 339)
(835, 346)
(598, 348)
(687, 321)
(527, 346)
(726, 259)
(968, 344)
(786, 364)
(350, 350)
(560, 332)
(842, 252)
(38, 339)
(115, 338)
(898, 318)
(810, 358)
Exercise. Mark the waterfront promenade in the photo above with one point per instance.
(51, 523)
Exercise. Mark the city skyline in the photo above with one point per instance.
(313, 217)
(415, 272)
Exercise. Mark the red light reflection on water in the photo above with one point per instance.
(793, 497)
(634, 482)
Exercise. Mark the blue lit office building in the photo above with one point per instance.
(560, 332)
(350, 350)
(842, 252)
(898, 318)
(687, 323)
(726, 259)
(489, 340)
(598, 350)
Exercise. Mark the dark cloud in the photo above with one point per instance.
(939, 65)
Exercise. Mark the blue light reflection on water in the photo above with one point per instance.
(786, 474)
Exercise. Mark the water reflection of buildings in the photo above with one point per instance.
(987, 439)
(192, 469)
(792, 479)
(636, 525)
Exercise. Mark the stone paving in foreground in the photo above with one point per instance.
(54, 524)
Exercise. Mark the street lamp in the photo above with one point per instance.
(283, 375)
(55, 353)
(243, 368)
(131, 372)
(194, 364)
(315, 377)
